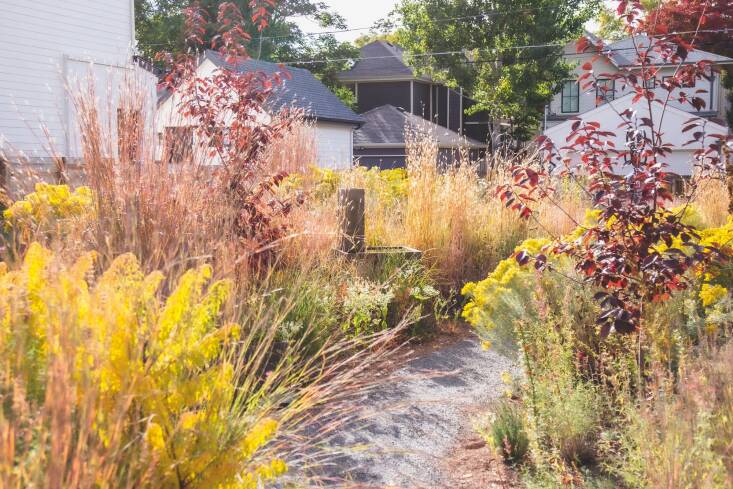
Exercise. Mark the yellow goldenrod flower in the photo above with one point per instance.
(712, 294)
(154, 437)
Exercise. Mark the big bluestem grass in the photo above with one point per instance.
(166, 213)
(712, 202)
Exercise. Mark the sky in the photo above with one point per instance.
(358, 13)
(364, 13)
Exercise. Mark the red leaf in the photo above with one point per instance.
(582, 44)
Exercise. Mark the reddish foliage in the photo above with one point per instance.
(708, 22)
(621, 255)
(233, 123)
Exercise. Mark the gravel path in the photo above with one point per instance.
(413, 423)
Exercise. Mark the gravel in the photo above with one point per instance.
(411, 424)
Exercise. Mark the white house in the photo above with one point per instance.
(48, 48)
(334, 123)
(601, 106)
(572, 101)
(680, 160)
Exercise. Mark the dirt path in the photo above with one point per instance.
(419, 427)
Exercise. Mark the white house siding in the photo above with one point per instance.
(44, 44)
(601, 65)
(334, 141)
(680, 160)
(587, 99)
(334, 145)
(169, 114)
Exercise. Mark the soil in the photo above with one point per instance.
(473, 465)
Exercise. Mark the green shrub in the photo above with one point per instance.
(314, 311)
(366, 305)
(416, 297)
(571, 420)
(507, 434)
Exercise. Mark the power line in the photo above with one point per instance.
(463, 51)
(438, 21)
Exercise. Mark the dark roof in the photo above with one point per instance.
(386, 125)
(379, 60)
(302, 90)
(148, 65)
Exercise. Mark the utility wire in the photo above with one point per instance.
(463, 51)
(438, 21)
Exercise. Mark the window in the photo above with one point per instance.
(226, 138)
(605, 91)
(677, 184)
(650, 83)
(570, 97)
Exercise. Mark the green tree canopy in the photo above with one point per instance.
(365, 39)
(609, 26)
(160, 27)
(510, 83)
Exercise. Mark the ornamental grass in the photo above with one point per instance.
(139, 346)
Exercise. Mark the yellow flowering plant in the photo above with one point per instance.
(49, 204)
(109, 383)
(388, 186)
(504, 296)
(715, 281)
(50, 210)
(715, 278)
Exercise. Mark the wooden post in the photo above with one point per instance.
(351, 215)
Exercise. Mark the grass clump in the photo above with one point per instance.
(571, 421)
(682, 436)
(507, 433)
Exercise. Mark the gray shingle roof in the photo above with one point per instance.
(386, 125)
(623, 52)
(302, 90)
(380, 60)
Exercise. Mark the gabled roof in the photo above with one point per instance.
(673, 123)
(386, 126)
(302, 90)
(380, 60)
(622, 53)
